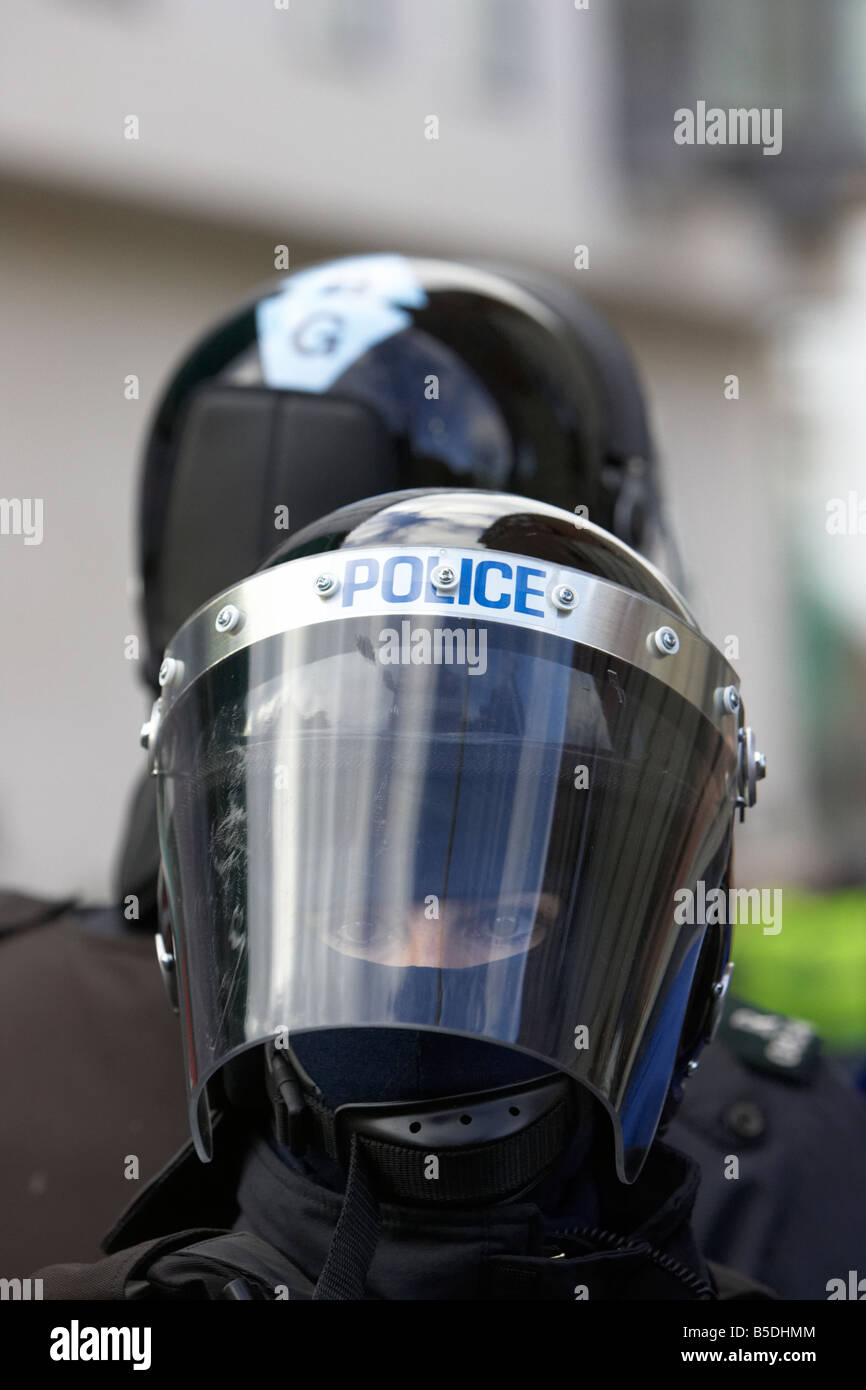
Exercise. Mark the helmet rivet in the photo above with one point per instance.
(444, 577)
(665, 641)
(731, 699)
(326, 585)
(167, 671)
(227, 619)
(564, 598)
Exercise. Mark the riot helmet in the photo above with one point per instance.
(440, 769)
(376, 373)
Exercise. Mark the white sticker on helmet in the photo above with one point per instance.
(324, 319)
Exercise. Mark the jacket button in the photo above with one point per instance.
(745, 1119)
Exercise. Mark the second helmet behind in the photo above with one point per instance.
(375, 374)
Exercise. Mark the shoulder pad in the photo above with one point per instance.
(18, 911)
(229, 1265)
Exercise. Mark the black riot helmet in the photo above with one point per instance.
(442, 770)
(373, 374)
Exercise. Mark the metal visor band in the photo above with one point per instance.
(417, 822)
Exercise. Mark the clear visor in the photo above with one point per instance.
(475, 829)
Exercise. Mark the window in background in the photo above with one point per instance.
(806, 58)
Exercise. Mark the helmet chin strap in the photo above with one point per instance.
(471, 1149)
(483, 1143)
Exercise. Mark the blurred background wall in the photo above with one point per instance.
(153, 156)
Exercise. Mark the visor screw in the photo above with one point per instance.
(167, 671)
(149, 730)
(731, 699)
(444, 577)
(227, 619)
(564, 598)
(326, 585)
(665, 641)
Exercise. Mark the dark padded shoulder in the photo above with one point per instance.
(184, 1190)
(20, 911)
(109, 1279)
(236, 1264)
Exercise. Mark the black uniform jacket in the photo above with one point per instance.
(249, 1226)
(91, 1090)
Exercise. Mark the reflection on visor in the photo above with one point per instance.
(354, 842)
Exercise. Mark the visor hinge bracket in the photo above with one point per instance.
(752, 770)
(291, 1116)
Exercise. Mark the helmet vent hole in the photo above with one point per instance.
(466, 1119)
(415, 1126)
(514, 1109)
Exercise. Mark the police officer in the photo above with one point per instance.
(428, 786)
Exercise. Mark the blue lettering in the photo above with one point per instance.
(522, 591)
(351, 584)
(416, 578)
(364, 574)
(481, 578)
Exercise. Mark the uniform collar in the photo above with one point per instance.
(635, 1242)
